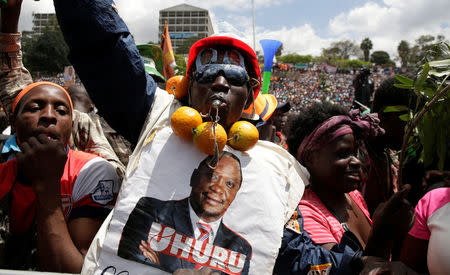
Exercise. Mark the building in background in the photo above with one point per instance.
(41, 21)
(185, 21)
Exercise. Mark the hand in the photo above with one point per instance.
(378, 266)
(13, 4)
(149, 253)
(41, 163)
(10, 16)
(203, 271)
(395, 216)
(391, 221)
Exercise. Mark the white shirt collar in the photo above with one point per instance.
(195, 219)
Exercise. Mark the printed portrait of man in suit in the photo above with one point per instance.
(189, 233)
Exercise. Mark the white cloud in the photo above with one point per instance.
(394, 20)
(384, 23)
(302, 40)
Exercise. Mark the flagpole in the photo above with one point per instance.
(253, 19)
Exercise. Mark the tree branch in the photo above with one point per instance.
(414, 124)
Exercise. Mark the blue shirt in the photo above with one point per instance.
(107, 61)
(10, 147)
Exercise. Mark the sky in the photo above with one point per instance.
(304, 27)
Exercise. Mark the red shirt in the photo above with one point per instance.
(89, 187)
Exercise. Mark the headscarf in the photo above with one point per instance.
(336, 126)
(28, 88)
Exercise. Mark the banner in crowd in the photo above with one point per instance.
(69, 76)
(270, 47)
(169, 57)
(171, 188)
(330, 69)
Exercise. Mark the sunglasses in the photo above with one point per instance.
(235, 75)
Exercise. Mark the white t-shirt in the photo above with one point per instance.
(161, 167)
(433, 223)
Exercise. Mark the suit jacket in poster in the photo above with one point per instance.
(174, 214)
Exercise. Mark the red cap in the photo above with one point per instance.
(225, 41)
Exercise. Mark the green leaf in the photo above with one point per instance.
(439, 73)
(404, 80)
(429, 92)
(403, 86)
(395, 108)
(423, 75)
(440, 63)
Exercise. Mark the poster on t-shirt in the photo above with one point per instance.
(69, 76)
(180, 208)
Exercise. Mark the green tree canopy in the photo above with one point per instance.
(279, 50)
(186, 46)
(366, 46)
(421, 48)
(403, 52)
(47, 53)
(380, 58)
(295, 58)
(354, 64)
(181, 64)
(259, 56)
(341, 49)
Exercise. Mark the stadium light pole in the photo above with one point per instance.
(253, 19)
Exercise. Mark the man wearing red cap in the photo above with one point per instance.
(221, 69)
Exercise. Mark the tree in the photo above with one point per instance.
(181, 64)
(46, 53)
(344, 49)
(403, 52)
(422, 47)
(186, 45)
(295, 58)
(260, 57)
(366, 46)
(427, 130)
(380, 58)
(330, 53)
(279, 51)
(353, 64)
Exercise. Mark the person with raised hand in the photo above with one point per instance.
(224, 75)
(53, 199)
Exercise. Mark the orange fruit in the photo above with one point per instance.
(243, 135)
(204, 137)
(178, 86)
(184, 120)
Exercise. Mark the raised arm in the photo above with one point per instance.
(105, 57)
(13, 76)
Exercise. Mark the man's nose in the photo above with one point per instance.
(220, 84)
(48, 114)
(217, 186)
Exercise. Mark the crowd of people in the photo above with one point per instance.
(58, 79)
(303, 87)
(93, 179)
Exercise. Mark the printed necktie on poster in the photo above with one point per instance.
(205, 233)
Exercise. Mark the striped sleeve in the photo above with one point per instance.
(359, 200)
(316, 224)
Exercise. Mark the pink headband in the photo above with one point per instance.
(336, 126)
